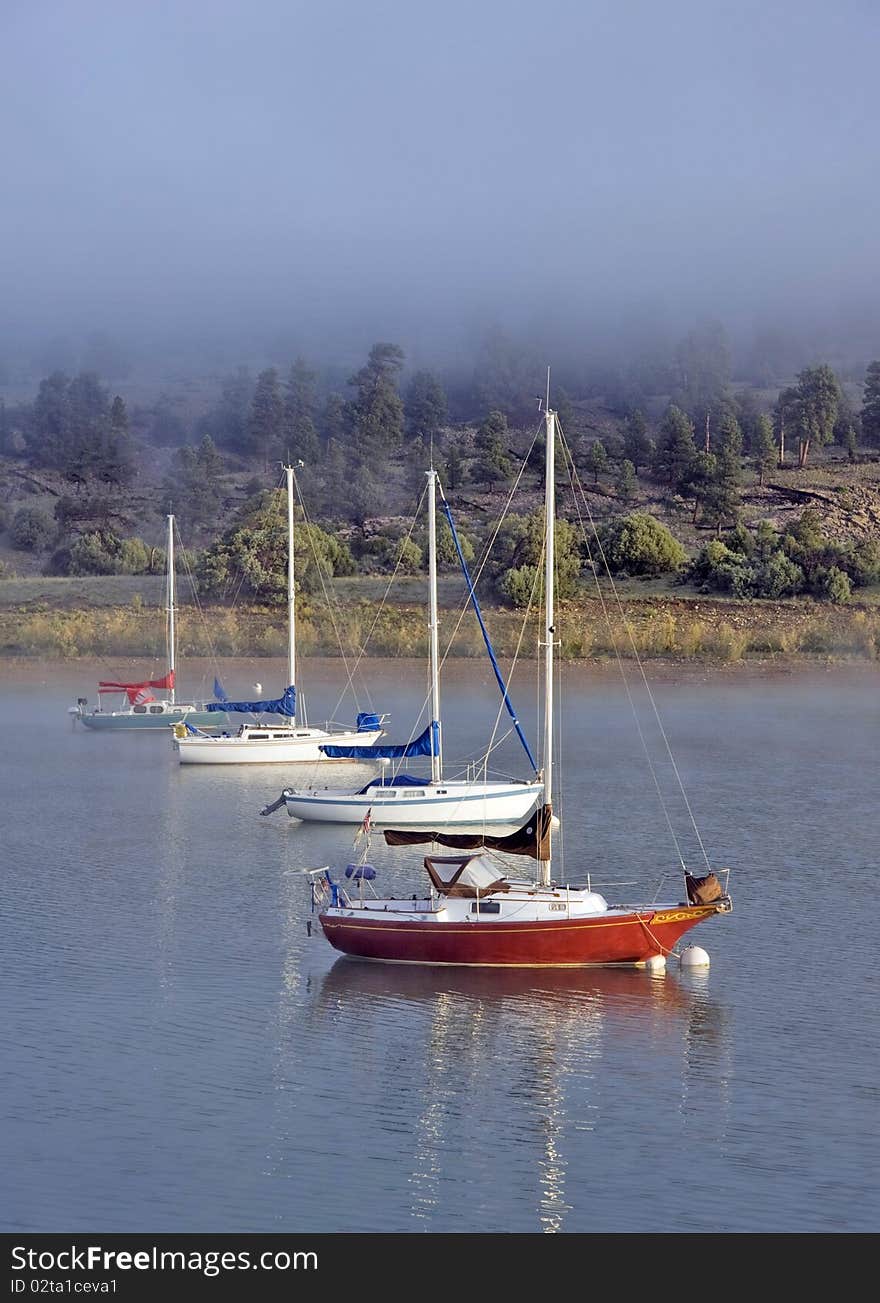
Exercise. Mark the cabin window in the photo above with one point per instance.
(260, 737)
(414, 793)
(485, 906)
(302, 735)
(156, 710)
(140, 710)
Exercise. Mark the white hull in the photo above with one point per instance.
(254, 745)
(464, 804)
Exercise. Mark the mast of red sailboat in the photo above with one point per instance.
(549, 532)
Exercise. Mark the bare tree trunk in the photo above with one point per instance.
(706, 449)
(781, 442)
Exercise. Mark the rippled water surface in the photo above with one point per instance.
(180, 1056)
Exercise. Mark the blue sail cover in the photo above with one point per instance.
(426, 744)
(219, 692)
(285, 705)
(367, 721)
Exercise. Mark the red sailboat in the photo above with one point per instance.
(475, 912)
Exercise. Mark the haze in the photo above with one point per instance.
(226, 173)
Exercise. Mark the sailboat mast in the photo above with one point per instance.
(170, 586)
(436, 760)
(291, 599)
(549, 619)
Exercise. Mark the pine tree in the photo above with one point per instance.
(625, 483)
(764, 451)
(637, 445)
(50, 433)
(675, 452)
(597, 459)
(229, 421)
(266, 418)
(334, 420)
(492, 465)
(871, 406)
(117, 459)
(455, 468)
(425, 407)
(300, 436)
(784, 414)
(377, 409)
(818, 396)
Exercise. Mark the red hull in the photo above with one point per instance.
(557, 943)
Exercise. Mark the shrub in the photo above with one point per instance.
(518, 585)
(778, 576)
(640, 545)
(31, 529)
(832, 584)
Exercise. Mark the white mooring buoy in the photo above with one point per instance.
(656, 964)
(694, 957)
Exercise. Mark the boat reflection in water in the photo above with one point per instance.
(515, 1076)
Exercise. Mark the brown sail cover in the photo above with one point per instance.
(532, 839)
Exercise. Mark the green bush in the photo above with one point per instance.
(518, 585)
(833, 584)
(778, 576)
(31, 530)
(639, 545)
(101, 552)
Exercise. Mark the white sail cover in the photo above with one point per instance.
(480, 873)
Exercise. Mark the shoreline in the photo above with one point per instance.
(34, 669)
(655, 629)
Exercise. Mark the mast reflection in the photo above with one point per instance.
(504, 1057)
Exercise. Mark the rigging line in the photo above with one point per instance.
(499, 678)
(516, 653)
(623, 676)
(329, 602)
(488, 549)
(466, 602)
(363, 649)
(197, 603)
(577, 486)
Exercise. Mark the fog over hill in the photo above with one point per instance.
(221, 181)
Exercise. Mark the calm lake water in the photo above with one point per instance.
(180, 1056)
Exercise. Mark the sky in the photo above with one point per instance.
(335, 171)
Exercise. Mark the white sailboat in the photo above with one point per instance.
(143, 708)
(289, 740)
(405, 801)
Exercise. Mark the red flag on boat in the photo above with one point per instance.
(367, 824)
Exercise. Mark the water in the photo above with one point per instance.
(180, 1056)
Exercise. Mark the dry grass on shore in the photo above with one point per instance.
(667, 628)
